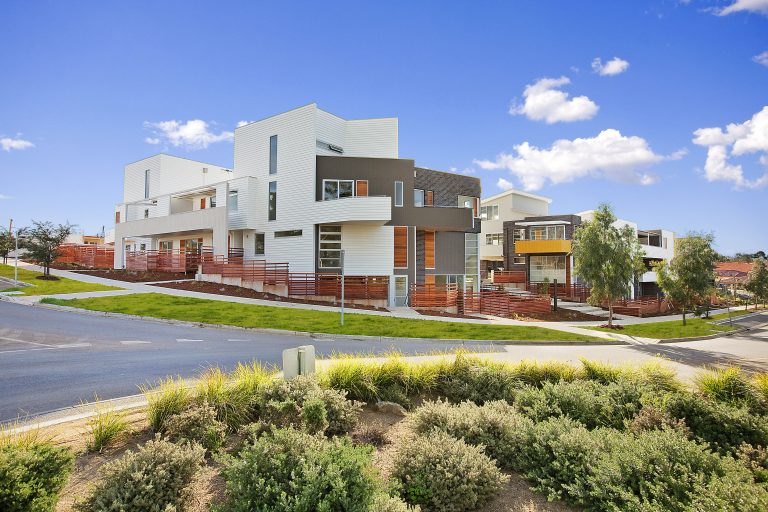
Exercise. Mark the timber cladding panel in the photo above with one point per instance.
(401, 247)
(429, 249)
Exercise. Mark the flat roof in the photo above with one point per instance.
(519, 193)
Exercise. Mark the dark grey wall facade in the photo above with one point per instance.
(509, 238)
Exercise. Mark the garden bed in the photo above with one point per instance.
(136, 276)
(239, 291)
(471, 435)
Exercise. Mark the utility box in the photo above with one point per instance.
(299, 361)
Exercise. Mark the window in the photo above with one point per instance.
(337, 189)
(143, 247)
(490, 212)
(329, 247)
(418, 197)
(212, 201)
(232, 201)
(470, 202)
(547, 232)
(401, 246)
(166, 246)
(398, 193)
(362, 188)
(273, 154)
(286, 234)
(272, 200)
(547, 267)
(202, 203)
(518, 234)
(117, 217)
(429, 198)
(146, 184)
(471, 260)
(258, 249)
(146, 213)
(518, 260)
(429, 249)
(494, 239)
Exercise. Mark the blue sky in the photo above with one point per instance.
(85, 84)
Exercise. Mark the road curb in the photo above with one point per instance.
(316, 335)
(707, 337)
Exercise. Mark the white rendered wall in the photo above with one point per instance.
(168, 174)
(368, 250)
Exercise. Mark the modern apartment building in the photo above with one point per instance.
(494, 211)
(541, 247)
(307, 185)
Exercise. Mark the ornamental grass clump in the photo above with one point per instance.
(441, 473)
(287, 470)
(171, 396)
(156, 478)
(730, 386)
(32, 474)
(104, 428)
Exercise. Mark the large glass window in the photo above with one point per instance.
(556, 232)
(418, 197)
(398, 193)
(337, 189)
(494, 239)
(166, 246)
(329, 247)
(490, 212)
(258, 249)
(289, 233)
(518, 234)
(232, 201)
(273, 154)
(547, 267)
(471, 260)
(272, 200)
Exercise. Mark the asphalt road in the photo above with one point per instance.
(51, 359)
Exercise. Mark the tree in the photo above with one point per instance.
(606, 257)
(688, 279)
(6, 243)
(758, 282)
(42, 242)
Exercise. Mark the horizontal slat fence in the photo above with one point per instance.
(503, 304)
(163, 261)
(509, 276)
(434, 296)
(87, 255)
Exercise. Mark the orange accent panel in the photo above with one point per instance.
(401, 247)
(362, 188)
(429, 249)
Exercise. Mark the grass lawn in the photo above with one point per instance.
(42, 287)
(673, 329)
(249, 315)
(736, 313)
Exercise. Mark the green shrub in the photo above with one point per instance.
(441, 473)
(760, 382)
(32, 475)
(755, 459)
(156, 478)
(368, 434)
(730, 386)
(654, 418)
(591, 403)
(662, 470)
(724, 426)
(104, 428)
(171, 396)
(287, 470)
(197, 424)
(283, 403)
(495, 425)
(385, 503)
(474, 380)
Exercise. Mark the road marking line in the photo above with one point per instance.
(236, 339)
(135, 342)
(74, 345)
(185, 340)
(58, 347)
(28, 342)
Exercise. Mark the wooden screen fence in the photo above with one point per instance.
(86, 255)
(509, 276)
(571, 292)
(503, 304)
(254, 271)
(644, 306)
(434, 296)
(355, 287)
(163, 261)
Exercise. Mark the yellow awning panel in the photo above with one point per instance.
(542, 246)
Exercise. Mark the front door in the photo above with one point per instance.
(401, 291)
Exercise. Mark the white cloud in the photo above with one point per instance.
(758, 6)
(761, 58)
(3, 196)
(609, 154)
(8, 144)
(615, 66)
(545, 101)
(193, 134)
(243, 123)
(745, 138)
(465, 171)
(504, 184)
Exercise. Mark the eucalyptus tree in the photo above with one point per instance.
(758, 281)
(42, 240)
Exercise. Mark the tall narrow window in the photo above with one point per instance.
(117, 217)
(398, 193)
(259, 244)
(202, 203)
(362, 188)
(418, 197)
(272, 200)
(429, 249)
(273, 154)
(329, 248)
(401, 247)
(232, 201)
(146, 184)
(429, 198)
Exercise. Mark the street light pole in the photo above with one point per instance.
(16, 264)
(342, 286)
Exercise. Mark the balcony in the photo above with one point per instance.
(369, 209)
(543, 246)
(655, 252)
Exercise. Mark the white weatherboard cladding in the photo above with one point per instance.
(332, 130)
(374, 138)
(168, 174)
(368, 250)
(296, 149)
(248, 204)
